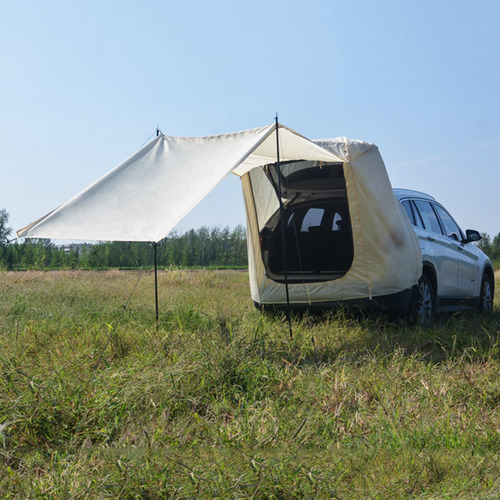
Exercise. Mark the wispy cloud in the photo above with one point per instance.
(446, 156)
(427, 160)
(489, 144)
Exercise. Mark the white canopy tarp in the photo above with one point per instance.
(143, 198)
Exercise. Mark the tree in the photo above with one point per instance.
(495, 248)
(4, 229)
(490, 247)
(484, 244)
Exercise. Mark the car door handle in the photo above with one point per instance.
(429, 238)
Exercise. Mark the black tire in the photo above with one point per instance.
(423, 304)
(486, 294)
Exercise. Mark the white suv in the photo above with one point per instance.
(456, 275)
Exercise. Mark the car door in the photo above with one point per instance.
(444, 251)
(418, 227)
(467, 255)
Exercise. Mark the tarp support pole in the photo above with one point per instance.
(155, 247)
(283, 239)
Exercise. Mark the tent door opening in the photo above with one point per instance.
(318, 234)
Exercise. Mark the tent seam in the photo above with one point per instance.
(362, 240)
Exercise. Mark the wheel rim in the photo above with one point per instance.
(487, 296)
(425, 303)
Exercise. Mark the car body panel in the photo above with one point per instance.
(458, 264)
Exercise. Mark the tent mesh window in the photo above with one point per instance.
(318, 235)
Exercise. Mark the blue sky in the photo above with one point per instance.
(83, 85)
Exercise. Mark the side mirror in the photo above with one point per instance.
(472, 235)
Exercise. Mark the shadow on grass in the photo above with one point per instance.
(469, 336)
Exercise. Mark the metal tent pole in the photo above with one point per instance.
(155, 258)
(283, 239)
(155, 247)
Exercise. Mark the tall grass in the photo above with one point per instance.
(218, 401)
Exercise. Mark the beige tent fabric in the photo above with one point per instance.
(143, 198)
(387, 257)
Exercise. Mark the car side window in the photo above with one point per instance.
(337, 222)
(418, 219)
(312, 218)
(450, 226)
(408, 210)
(428, 216)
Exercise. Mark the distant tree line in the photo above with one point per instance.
(203, 247)
(491, 247)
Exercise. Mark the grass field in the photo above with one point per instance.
(95, 402)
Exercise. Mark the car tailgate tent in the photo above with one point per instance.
(143, 198)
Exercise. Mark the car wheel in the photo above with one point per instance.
(486, 296)
(423, 303)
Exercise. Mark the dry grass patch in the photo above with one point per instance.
(220, 402)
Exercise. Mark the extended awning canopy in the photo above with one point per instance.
(144, 198)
